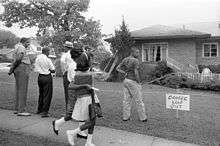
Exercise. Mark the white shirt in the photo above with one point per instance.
(71, 71)
(43, 64)
(65, 60)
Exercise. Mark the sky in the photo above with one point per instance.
(143, 13)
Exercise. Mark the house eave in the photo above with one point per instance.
(212, 38)
(204, 36)
(172, 37)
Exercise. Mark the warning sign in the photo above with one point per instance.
(178, 101)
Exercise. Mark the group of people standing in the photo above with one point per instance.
(21, 67)
(79, 92)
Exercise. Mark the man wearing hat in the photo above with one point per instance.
(44, 66)
(65, 61)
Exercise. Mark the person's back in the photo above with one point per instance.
(132, 87)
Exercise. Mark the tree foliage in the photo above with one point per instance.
(65, 17)
(100, 54)
(8, 39)
(122, 41)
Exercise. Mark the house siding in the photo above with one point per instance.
(207, 60)
(183, 51)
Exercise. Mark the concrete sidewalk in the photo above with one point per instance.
(37, 126)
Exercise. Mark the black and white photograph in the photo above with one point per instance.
(110, 72)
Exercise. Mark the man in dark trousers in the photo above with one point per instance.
(44, 67)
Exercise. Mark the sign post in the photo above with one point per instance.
(177, 114)
(178, 102)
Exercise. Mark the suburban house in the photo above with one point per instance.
(181, 48)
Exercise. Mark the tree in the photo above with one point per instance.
(8, 39)
(122, 41)
(121, 44)
(101, 53)
(64, 16)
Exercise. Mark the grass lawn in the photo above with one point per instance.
(9, 138)
(201, 125)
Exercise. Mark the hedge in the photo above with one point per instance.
(175, 81)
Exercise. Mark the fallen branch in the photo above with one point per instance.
(157, 79)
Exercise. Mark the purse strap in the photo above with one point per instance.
(93, 96)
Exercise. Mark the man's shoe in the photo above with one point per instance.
(81, 136)
(44, 115)
(126, 119)
(89, 144)
(145, 120)
(38, 112)
(54, 129)
(23, 114)
(10, 72)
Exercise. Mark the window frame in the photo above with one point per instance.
(210, 44)
(143, 50)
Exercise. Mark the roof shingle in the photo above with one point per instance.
(163, 32)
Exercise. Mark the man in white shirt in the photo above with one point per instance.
(44, 66)
(65, 61)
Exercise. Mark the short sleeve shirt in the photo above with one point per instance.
(43, 64)
(65, 60)
(129, 65)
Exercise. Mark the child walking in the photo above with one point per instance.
(85, 94)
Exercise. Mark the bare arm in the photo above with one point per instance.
(82, 86)
(136, 72)
(137, 75)
(119, 68)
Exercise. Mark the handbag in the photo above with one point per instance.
(94, 108)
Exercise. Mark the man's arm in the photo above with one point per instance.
(51, 66)
(136, 72)
(82, 86)
(119, 68)
(62, 62)
(137, 75)
(18, 57)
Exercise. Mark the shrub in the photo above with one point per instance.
(145, 71)
(189, 83)
(173, 81)
(160, 70)
(3, 58)
(213, 68)
(195, 84)
(215, 86)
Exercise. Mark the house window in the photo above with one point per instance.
(210, 50)
(152, 52)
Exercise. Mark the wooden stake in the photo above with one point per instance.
(177, 114)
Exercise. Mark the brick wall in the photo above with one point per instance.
(206, 60)
(183, 51)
